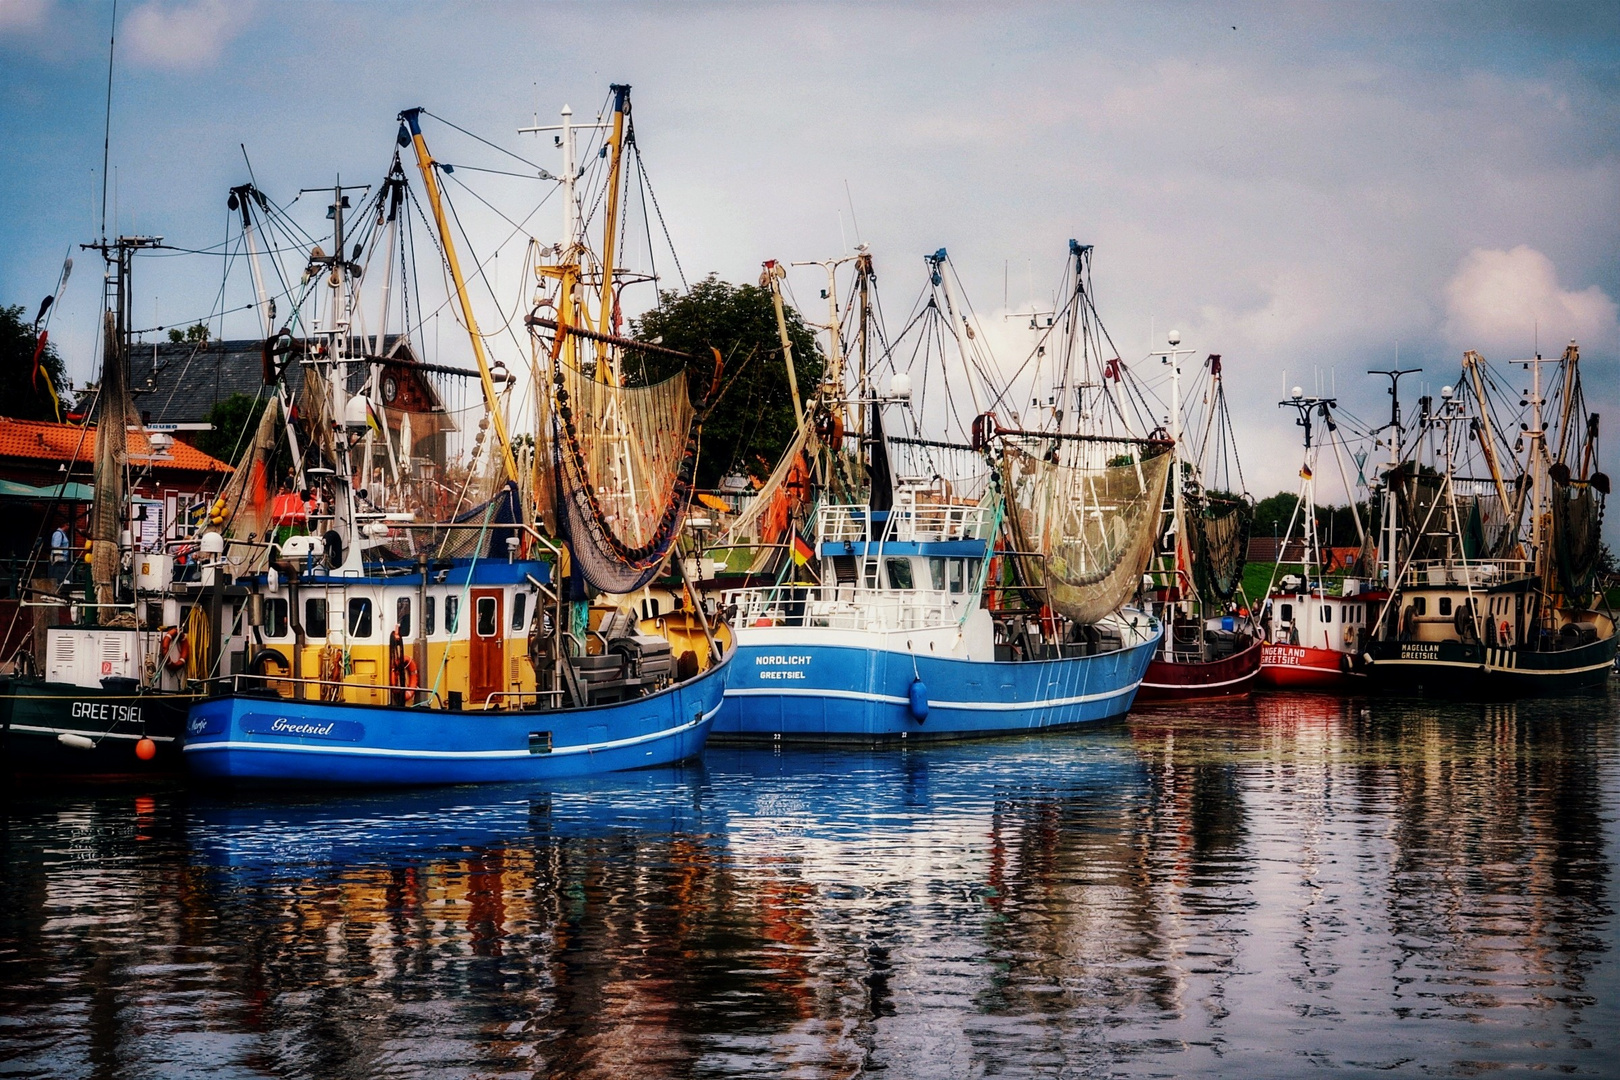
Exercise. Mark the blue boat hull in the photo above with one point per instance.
(838, 693)
(269, 741)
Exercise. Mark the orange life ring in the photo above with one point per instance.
(173, 660)
(404, 673)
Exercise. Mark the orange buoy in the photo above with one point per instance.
(146, 749)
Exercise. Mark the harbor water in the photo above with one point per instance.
(1265, 888)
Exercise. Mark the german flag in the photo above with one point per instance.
(802, 552)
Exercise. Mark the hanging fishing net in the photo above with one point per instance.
(1219, 536)
(1577, 528)
(1094, 523)
(247, 494)
(115, 416)
(623, 460)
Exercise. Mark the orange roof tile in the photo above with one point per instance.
(43, 440)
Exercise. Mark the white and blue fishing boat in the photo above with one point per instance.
(976, 590)
(388, 651)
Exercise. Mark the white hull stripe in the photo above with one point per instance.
(1489, 668)
(1201, 685)
(1305, 667)
(971, 706)
(32, 730)
(452, 755)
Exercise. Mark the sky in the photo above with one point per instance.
(1310, 190)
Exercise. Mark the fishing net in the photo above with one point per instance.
(623, 458)
(115, 416)
(1219, 535)
(1093, 522)
(247, 494)
(1577, 520)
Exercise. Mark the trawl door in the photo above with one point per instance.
(486, 658)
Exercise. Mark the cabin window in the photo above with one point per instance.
(956, 574)
(275, 617)
(360, 617)
(428, 603)
(402, 616)
(520, 610)
(1445, 605)
(486, 616)
(899, 571)
(452, 614)
(936, 573)
(1326, 613)
(1285, 613)
(1420, 605)
(315, 618)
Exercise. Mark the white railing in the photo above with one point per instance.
(1481, 574)
(918, 523)
(843, 608)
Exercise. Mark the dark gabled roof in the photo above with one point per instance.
(180, 383)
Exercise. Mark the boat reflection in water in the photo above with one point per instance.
(1254, 888)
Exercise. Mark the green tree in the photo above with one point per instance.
(754, 422)
(196, 333)
(19, 396)
(234, 420)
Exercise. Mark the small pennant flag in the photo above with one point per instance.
(802, 551)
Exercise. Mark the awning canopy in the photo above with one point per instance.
(71, 492)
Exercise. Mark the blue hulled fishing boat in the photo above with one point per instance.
(387, 651)
(977, 587)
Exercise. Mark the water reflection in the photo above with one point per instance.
(1252, 887)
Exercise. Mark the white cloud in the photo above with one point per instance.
(22, 15)
(1499, 301)
(181, 36)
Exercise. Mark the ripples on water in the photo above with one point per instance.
(1254, 889)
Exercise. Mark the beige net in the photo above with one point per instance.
(248, 493)
(623, 458)
(1094, 525)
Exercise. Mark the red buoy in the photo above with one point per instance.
(146, 749)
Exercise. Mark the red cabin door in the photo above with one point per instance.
(486, 652)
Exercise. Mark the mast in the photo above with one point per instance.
(772, 280)
(1388, 527)
(411, 119)
(939, 263)
(604, 314)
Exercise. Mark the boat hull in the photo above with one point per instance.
(270, 741)
(37, 714)
(1230, 676)
(1301, 667)
(1456, 669)
(826, 692)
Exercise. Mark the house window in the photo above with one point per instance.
(520, 610)
(360, 617)
(486, 616)
(315, 618)
(402, 616)
(275, 618)
(427, 614)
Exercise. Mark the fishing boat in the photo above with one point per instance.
(955, 588)
(99, 690)
(484, 648)
(1210, 647)
(1480, 604)
(1314, 631)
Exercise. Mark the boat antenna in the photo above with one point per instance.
(106, 132)
(856, 225)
